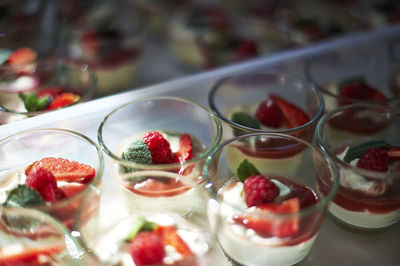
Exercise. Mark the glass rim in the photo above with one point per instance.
(75, 65)
(199, 157)
(323, 145)
(44, 217)
(310, 78)
(395, 42)
(324, 201)
(91, 186)
(222, 81)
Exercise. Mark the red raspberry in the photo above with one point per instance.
(375, 159)
(159, 147)
(269, 114)
(258, 190)
(44, 182)
(147, 248)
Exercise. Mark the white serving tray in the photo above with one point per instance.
(334, 245)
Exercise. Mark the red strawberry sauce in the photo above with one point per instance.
(273, 148)
(157, 187)
(310, 222)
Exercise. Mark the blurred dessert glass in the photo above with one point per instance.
(38, 87)
(51, 170)
(362, 140)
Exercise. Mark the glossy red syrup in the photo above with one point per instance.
(158, 187)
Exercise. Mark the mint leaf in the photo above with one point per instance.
(140, 225)
(33, 103)
(244, 120)
(4, 54)
(357, 150)
(23, 196)
(245, 170)
(352, 79)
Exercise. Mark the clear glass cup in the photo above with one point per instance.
(170, 116)
(44, 78)
(112, 42)
(368, 197)
(31, 237)
(394, 84)
(23, 152)
(277, 232)
(244, 93)
(353, 75)
(111, 242)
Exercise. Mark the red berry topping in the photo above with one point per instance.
(294, 116)
(375, 159)
(52, 92)
(258, 190)
(246, 49)
(269, 114)
(64, 170)
(261, 223)
(185, 149)
(44, 182)
(22, 56)
(62, 100)
(159, 147)
(147, 248)
(170, 237)
(359, 91)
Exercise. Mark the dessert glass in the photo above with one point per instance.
(40, 76)
(246, 91)
(20, 150)
(394, 53)
(112, 43)
(31, 237)
(170, 115)
(329, 71)
(275, 247)
(366, 199)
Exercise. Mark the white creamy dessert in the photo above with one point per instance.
(245, 245)
(109, 247)
(363, 219)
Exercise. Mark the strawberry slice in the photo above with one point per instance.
(170, 237)
(29, 254)
(22, 56)
(185, 149)
(294, 116)
(62, 100)
(394, 152)
(275, 226)
(64, 170)
(44, 182)
(70, 189)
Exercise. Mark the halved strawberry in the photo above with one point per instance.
(64, 170)
(29, 254)
(275, 226)
(269, 114)
(62, 100)
(147, 249)
(185, 148)
(171, 237)
(159, 147)
(22, 56)
(359, 91)
(71, 189)
(294, 115)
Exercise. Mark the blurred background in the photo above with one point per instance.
(133, 43)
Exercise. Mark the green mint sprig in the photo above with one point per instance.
(244, 120)
(245, 170)
(357, 150)
(140, 225)
(33, 103)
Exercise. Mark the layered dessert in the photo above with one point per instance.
(262, 223)
(204, 37)
(153, 190)
(23, 247)
(113, 55)
(153, 239)
(369, 192)
(45, 183)
(274, 113)
(349, 90)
